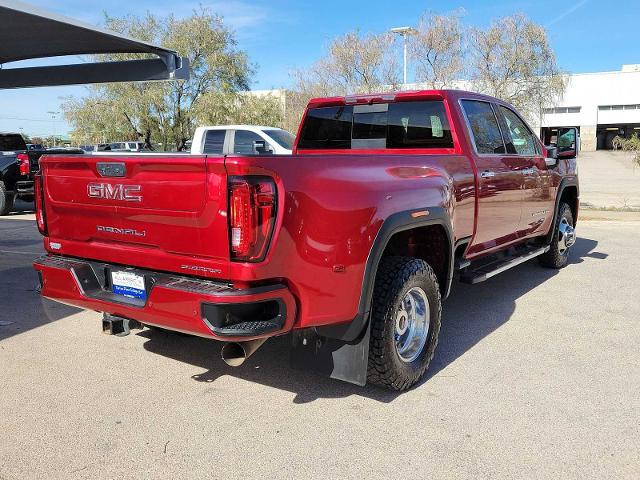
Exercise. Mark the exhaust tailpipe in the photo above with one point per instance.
(235, 353)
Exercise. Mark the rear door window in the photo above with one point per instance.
(484, 127)
(418, 125)
(327, 128)
(243, 142)
(214, 142)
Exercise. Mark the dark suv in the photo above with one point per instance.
(18, 165)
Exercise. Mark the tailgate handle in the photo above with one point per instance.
(111, 169)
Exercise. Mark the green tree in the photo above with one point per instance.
(164, 112)
(223, 108)
(632, 145)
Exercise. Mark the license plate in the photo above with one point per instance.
(128, 284)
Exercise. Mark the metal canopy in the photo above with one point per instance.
(28, 32)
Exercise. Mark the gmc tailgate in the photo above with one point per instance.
(165, 212)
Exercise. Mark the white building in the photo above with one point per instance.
(602, 105)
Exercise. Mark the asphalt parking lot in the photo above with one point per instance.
(537, 375)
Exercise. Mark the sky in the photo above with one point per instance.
(282, 35)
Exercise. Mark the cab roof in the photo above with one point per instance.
(397, 96)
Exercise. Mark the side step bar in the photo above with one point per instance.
(492, 269)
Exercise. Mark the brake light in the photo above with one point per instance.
(41, 219)
(25, 166)
(252, 213)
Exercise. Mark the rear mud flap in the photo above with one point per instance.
(346, 361)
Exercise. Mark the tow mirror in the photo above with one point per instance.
(552, 156)
(568, 142)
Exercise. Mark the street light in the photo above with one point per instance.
(404, 32)
(54, 117)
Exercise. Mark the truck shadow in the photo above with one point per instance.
(469, 315)
(474, 311)
(21, 306)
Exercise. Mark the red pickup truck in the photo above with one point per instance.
(350, 244)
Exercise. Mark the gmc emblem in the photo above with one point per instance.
(108, 191)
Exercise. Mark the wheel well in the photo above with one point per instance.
(429, 243)
(570, 196)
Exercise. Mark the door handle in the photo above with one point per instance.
(487, 174)
(528, 171)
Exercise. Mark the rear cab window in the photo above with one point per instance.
(399, 125)
(12, 143)
(327, 128)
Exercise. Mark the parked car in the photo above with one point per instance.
(18, 165)
(350, 244)
(242, 140)
(127, 146)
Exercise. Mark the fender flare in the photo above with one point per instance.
(397, 222)
(566, 182)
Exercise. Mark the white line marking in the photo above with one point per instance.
(21, 253)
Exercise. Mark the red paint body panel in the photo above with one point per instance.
(330, 208)
(169, 308)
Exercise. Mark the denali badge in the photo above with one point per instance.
(196, 268)
(109, 191)
(121, 231)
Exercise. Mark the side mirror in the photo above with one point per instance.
(552, 156)
(568, 154)
(261, 147)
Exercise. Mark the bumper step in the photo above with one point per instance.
(248, 329)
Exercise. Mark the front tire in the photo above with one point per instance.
(564, 237)
(6, 200)
(405, 322)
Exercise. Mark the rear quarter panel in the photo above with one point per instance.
(331, 209)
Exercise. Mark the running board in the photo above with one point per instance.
(492, 269)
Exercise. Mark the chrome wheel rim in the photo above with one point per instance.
(566, 237)
(412, 324)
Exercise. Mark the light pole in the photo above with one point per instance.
(54, 117)
(404, 32)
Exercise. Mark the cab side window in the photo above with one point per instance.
(243, 142)
(520, 139)
(214, 142)
(484, 127)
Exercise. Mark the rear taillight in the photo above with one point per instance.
(38, 190)
(25, 166)
(252, 214)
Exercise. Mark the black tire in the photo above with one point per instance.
(6, 200)
(396, 276)
(555, 258)
(27, 198)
